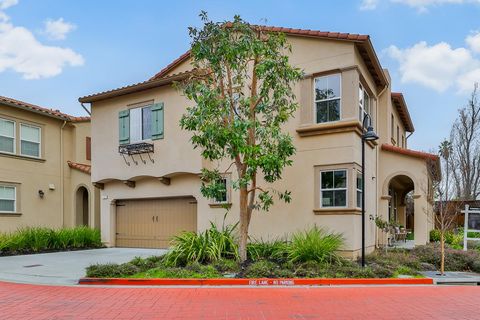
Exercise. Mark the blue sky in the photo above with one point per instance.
(53, 51)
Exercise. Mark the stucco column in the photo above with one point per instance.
(420, 214)
(402, 215)
(107, 218)
(383, 213)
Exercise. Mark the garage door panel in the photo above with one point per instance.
(151, 223)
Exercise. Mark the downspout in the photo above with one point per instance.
(85, 108)
(62, 174)
(406, 139)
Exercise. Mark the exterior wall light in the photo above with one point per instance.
(41, 194)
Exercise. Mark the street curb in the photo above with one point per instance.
(260, 282)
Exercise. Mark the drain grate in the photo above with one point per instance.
(33, 265)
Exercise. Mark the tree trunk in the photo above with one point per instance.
(442, 253)
(244, 222)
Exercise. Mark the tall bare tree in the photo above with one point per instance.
(465, 152)
(446, 210)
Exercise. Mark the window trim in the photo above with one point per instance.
(221, 204)
(14, 137)
(346, 170)
(39, 142)
(328, 99)
(14, 199)
(133, 107)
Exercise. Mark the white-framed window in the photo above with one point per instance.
(223, 197)
(327, 97)
(140, 124)
(359, 189)
(364, 103)
(7, 136)
(333, 188)
(30, 140)
(8, 198)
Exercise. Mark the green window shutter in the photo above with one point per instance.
(124, 127)
(157, 121)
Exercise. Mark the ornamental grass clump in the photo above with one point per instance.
(316, 245)
(209, 246)
(39, 239)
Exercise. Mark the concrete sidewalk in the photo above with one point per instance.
(64, 268)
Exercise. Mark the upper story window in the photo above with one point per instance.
(392, 126)
(140, 124)
(328, 98)
(364, 103)
(7, 198)
(398, 135)
(30, 140)
(7, 136)
(333, 188)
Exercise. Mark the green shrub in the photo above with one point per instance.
(208, 246)
(224, 266)
(37, 239)
(275, 250)
(316, 245)
(194, 270)
(111, 270)
(267, 269)
(434, 235)
(455, 260)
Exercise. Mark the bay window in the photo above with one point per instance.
(359, 189)
(364, 104)
(327, 98)
(333, 188)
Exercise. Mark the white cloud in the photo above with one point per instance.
(473, 41)
(438, 66)
(21, 52)
(58, 29)
(369, 4)
(466, 81)
(4, 4)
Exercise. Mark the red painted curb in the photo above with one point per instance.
(253, 282)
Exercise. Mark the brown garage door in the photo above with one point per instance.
(151, 223)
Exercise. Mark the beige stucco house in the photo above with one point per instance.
(148, 171)
(44, 168)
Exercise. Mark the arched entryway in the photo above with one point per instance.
(82, 208)
(400, 204)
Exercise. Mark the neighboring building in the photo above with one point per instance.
(44, 168)
(149, 172)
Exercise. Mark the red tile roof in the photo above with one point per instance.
(399, 102)
(48, 112)
(409, 152)
(296, 32)
(144, 85)
(85, 168)
(365, 49)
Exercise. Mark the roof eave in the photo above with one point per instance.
(43, 113)
(142, 86)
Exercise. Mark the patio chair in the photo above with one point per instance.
(400, 234)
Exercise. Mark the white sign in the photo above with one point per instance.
(472, 224)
